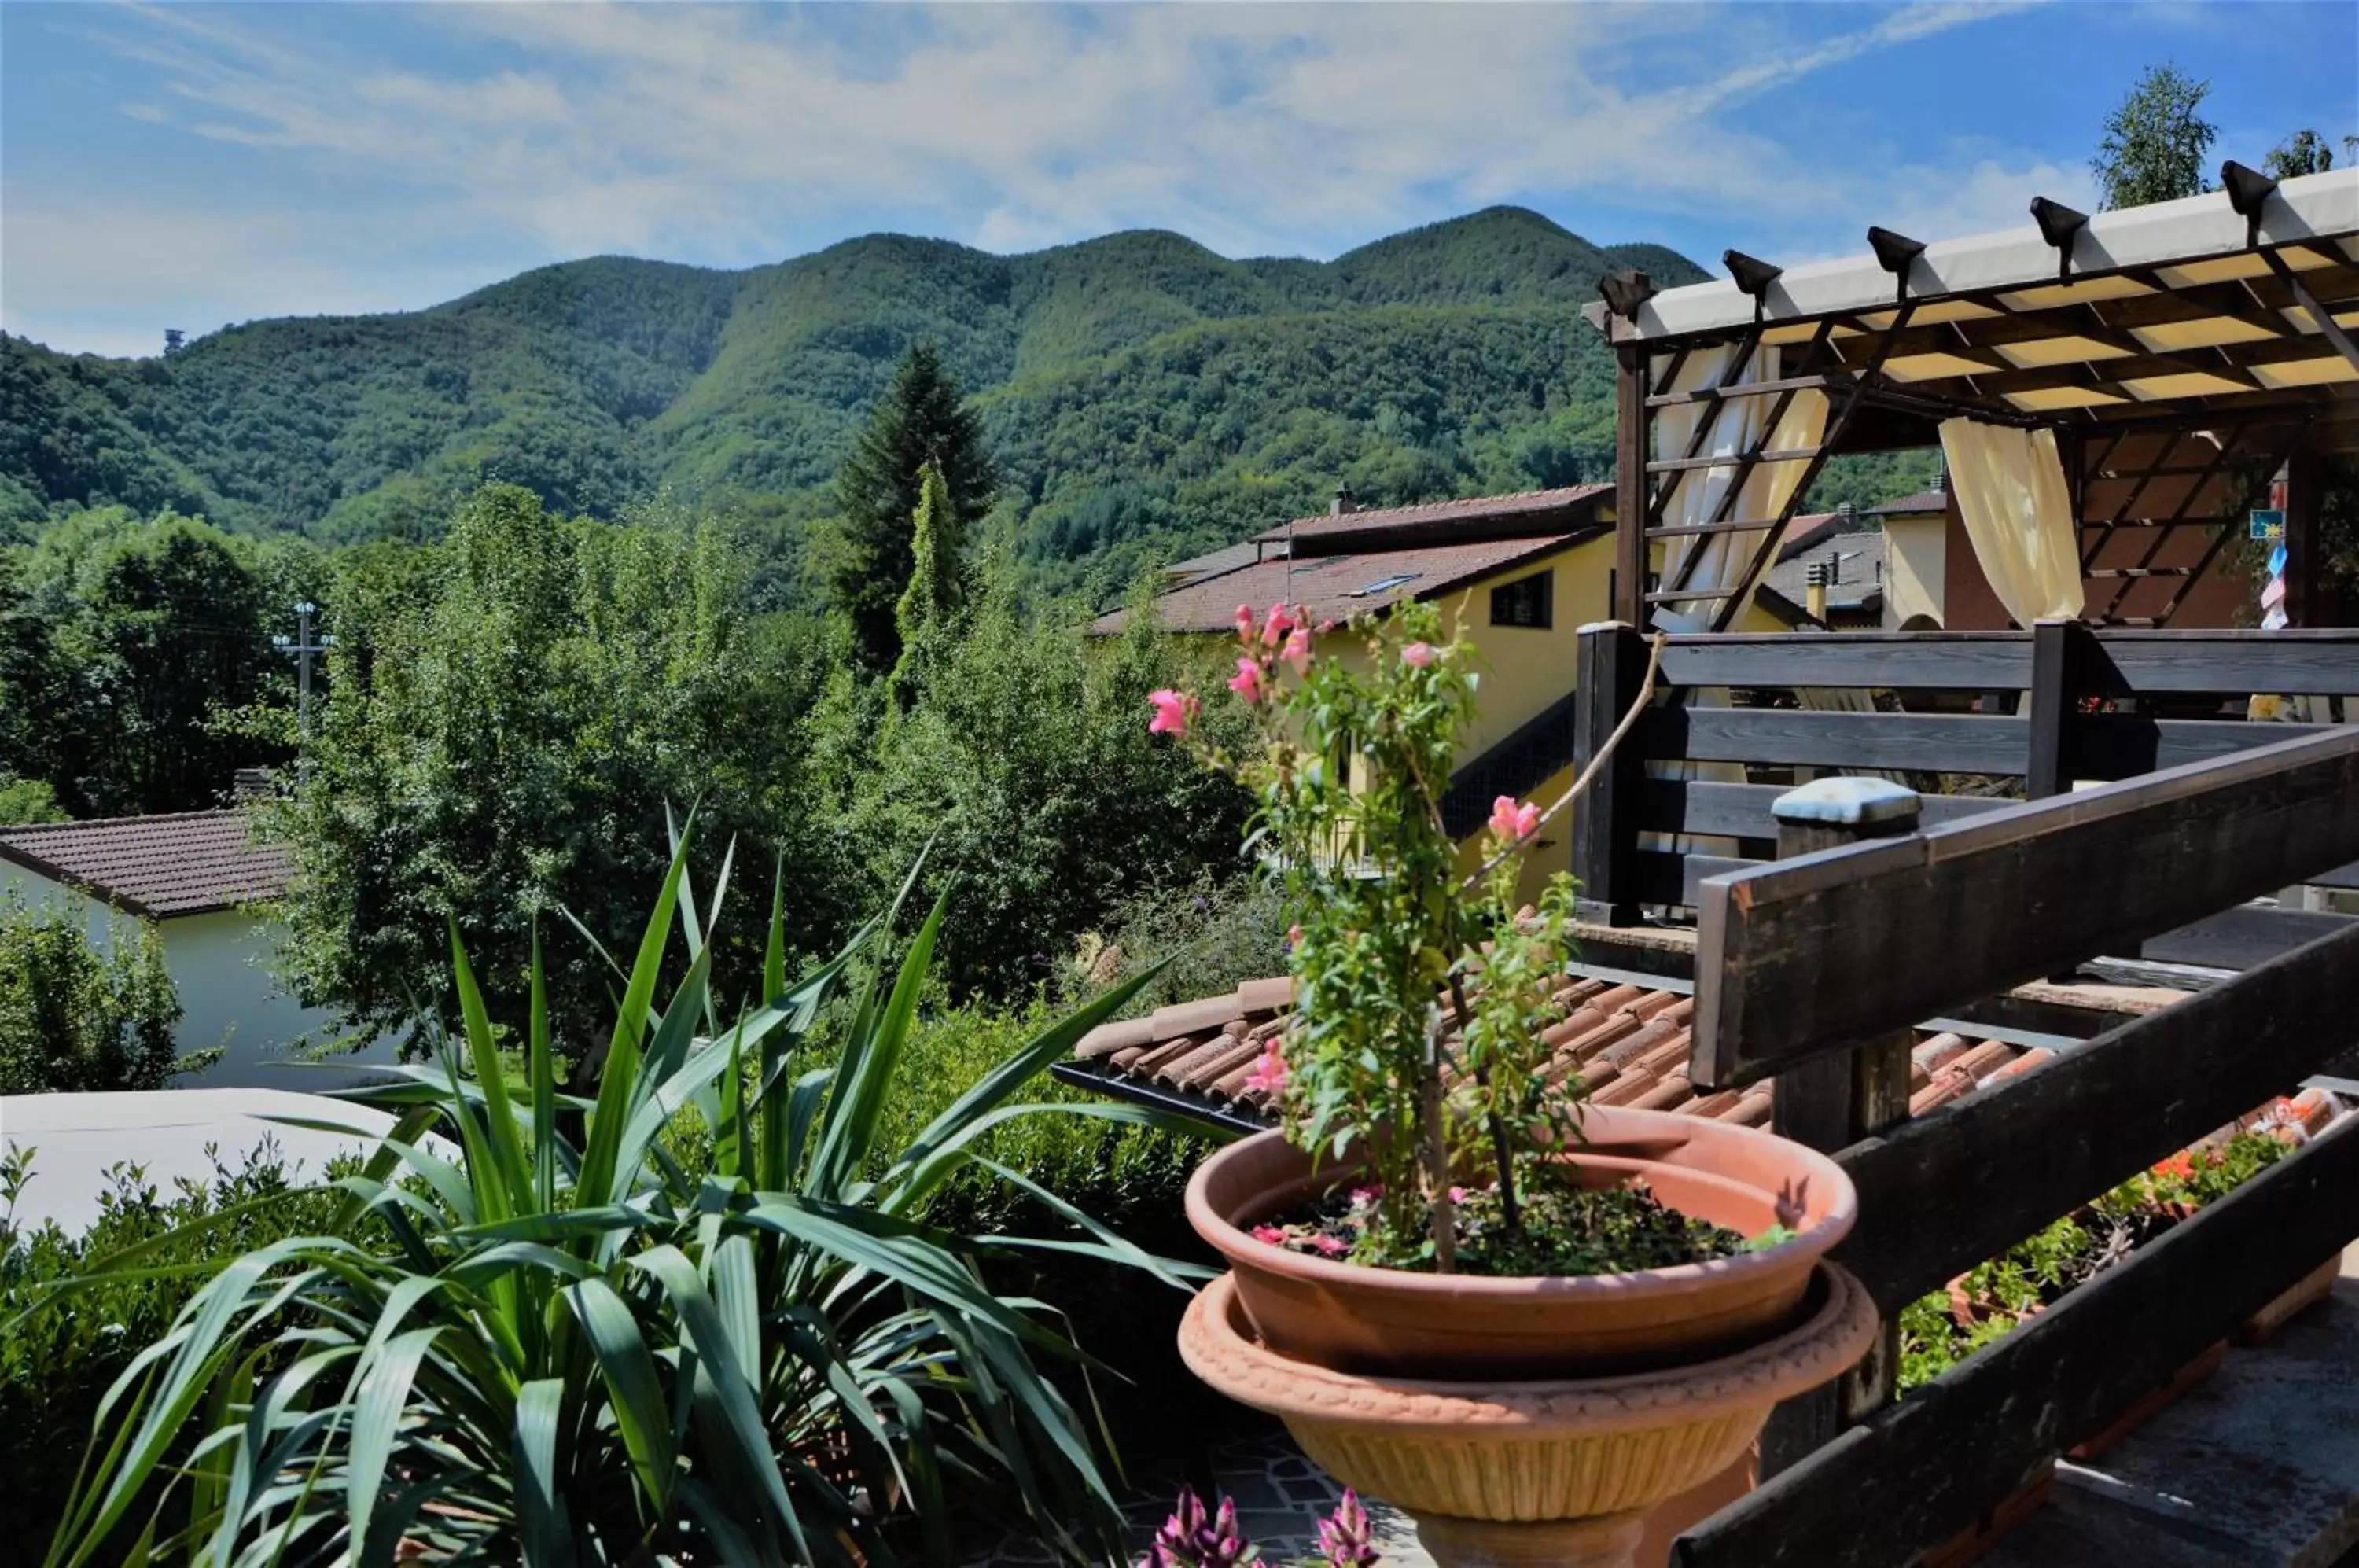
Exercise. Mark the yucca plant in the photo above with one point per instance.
(598, 1352)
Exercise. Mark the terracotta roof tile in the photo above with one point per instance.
(1337, 587)
(186, 863)
(1470, 513)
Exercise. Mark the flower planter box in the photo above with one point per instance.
(2316, 1286)
(1961, 1550)
(2188, 1376)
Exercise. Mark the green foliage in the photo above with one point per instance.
(512, 710)
(124, 649)
(866, 554)
(582, 1351)
(2304, 152)
(1023, 758)
(1205, 935)
(24, 801)
(597, 383)
(2154, 141)
(75, 1017)
(928, 610)
(58, 1356)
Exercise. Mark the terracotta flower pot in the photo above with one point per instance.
(1529, 1472)
(1357, 1319)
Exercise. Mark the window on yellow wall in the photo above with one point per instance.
(1526, 602)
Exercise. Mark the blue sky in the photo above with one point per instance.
(190, 164)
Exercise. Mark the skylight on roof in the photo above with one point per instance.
(1385, 585)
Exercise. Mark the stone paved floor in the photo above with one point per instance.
(1280, 1499)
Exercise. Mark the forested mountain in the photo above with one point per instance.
(1144, 395)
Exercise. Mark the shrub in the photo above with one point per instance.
(74, 1016)
(583, 1350)
(1203, 937)
(57, 1357)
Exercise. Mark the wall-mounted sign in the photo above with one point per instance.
(2269, 523)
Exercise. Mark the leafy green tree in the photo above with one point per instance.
(2304, 152)
(26, 801)
(1024, 759)
(866, 553)
(79, 1017)
(930, 606)
(511, 712)
(2154, 141)
(151, 634)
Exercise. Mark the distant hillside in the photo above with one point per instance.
(1147, 396)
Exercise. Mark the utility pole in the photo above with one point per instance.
(303, 646)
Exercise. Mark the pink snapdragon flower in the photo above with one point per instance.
(1329, 1246)
(1270, 1233)
(1268, 1075)
(1293, 937)
(1514, 821)
(1245, 623)
(1247, 681)
(1417, 655)
(1173, 712)
(1346, 1538)
(1297, 652)
(1280, 621)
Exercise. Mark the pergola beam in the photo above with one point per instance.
(2327, 324)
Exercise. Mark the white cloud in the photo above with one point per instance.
(735, 134)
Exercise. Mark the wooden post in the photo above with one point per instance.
(1612, 667)
(1833, 1102)
(1630, 486)
(2305, 602)
(2056, 653)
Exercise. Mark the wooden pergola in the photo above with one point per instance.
(2175, 349)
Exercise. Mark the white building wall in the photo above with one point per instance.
(221, 964)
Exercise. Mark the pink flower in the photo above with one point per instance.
(1346, 1538)
(1326, 626)
(1270, 1233)
(1268, 1075)
(1458, 1195)
(1173, 709)
(1245, 623)
(1247, 681)
(1512, 822)
(1298, 649)
(1417, 655)
(1330, 1246)
(1293, 936)
(1363, 1196)
(1281, 620)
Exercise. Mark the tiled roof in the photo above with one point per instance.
(1858, 560)
(1196, 567)
(1526, 507)
(1629, 1043)
(185, 863)
(1923, 501)
(1336, 587)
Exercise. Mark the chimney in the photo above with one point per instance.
(248, 784)
(1844, 512)
(1816, 579)
(1343, 502)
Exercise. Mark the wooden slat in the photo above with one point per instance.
(1934, 743)
(1960, 662)
(1742, 810)
(1926, 1469)
(1664, 877)
(2124, 746)
(1611, 659)
(2243, 938)
(1821, 954)
(2229, 663)
(1733, 460)
(2128, 1098)
(1749, 389)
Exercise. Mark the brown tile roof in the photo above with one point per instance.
(1525, 509)
(1336, 587)
(185, 863)
(1629, 1042)
(1923, 501)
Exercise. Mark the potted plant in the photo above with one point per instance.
(1439, 1204)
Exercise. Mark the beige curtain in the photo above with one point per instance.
(2019, 513)
(1721, 558)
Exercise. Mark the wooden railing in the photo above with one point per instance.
(1809, 968)
(2087, 705)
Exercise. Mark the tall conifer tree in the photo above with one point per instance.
(866, 556)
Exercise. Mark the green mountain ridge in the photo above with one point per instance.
(1147, 395)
